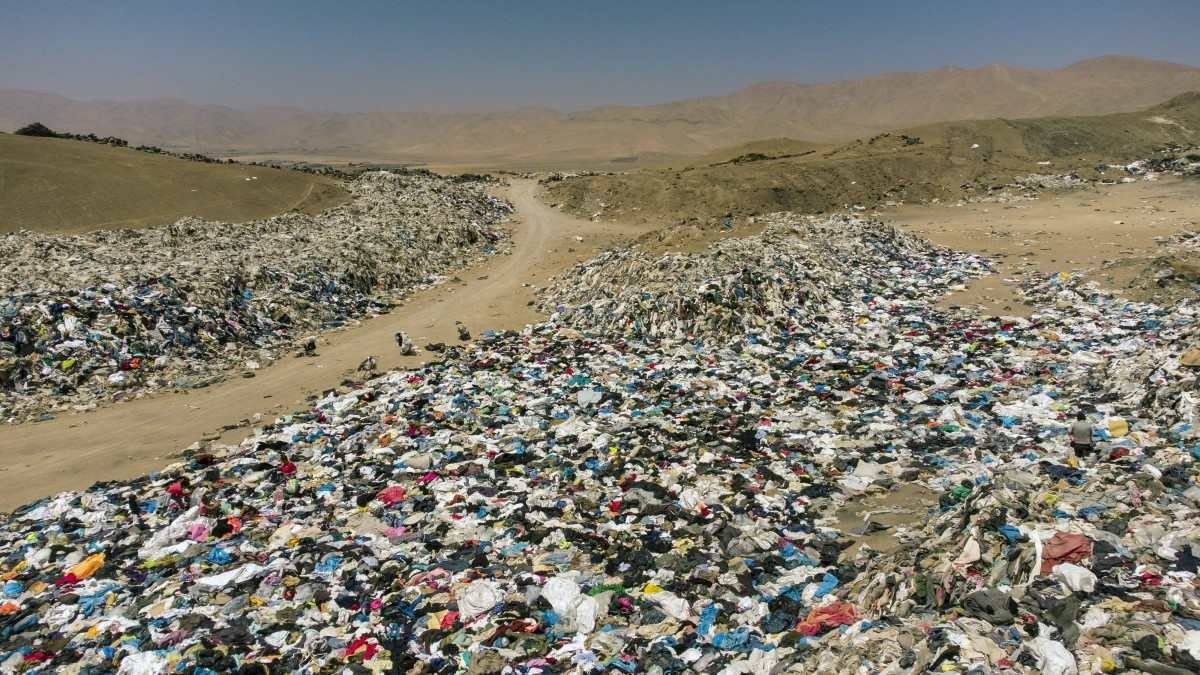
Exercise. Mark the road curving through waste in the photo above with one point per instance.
(128, 439)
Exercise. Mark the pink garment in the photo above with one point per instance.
(197, 532)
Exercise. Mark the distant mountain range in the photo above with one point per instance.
(825, 112)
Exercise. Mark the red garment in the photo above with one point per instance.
(361, 642)
(391, 495)
(829, 616)
(1064, 547)
(1151, 579)
(67, 580)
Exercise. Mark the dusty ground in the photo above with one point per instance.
(905, 506)
(1107, 232)
(127, 440)
(63, 185)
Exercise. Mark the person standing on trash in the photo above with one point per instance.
(1081, 436)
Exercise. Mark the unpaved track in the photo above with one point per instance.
(131, 438)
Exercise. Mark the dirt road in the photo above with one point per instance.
(134, 437)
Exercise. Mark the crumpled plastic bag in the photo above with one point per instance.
(480, 597)
(1053, 657)
(1075, 577)
(143, 663)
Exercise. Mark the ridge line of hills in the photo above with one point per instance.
(944, 161)
(614, 135)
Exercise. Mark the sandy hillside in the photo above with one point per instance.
(944, 161)
(66, 185)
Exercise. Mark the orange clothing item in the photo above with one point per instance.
(829, 616)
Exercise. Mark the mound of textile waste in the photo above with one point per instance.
(548, 501)
(117, 313)
(798, 268)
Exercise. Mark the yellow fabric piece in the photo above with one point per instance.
(435, 619)
(88, 567)
(1117, 427)
(12, 574)
(683, 545)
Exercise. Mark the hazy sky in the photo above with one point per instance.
(444, 54)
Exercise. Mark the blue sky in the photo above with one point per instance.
(566, 54)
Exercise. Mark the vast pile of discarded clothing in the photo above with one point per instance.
(110, 313)
(800, 268)
(561, 501)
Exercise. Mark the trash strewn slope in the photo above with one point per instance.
(798, 268)
(112, 314)
(557, 501)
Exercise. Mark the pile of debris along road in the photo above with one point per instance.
(556, 502)
(116, 313)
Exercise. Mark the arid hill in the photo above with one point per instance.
(624, 136)
(65, 185)
(944, 160)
